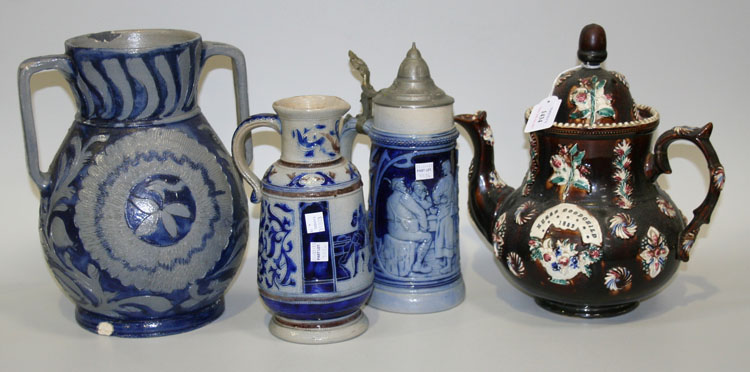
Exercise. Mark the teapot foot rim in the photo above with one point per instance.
(586, 311)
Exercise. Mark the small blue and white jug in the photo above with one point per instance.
(314, 258)
(143, 217)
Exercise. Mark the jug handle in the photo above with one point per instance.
(241, 150)
(26, 70)
(659, 164)
(349, 129)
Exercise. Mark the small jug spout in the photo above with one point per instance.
(486, 190)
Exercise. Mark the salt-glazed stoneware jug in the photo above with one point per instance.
(314, 257)
(413, 189)
(143, 217)
(589, 233)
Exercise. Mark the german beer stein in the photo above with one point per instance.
(413, 189)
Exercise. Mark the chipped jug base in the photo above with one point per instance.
(137, 328)
(586, 311)
(319, 332)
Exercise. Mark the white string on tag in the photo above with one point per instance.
(543, 114)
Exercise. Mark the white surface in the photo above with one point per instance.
(689, 60)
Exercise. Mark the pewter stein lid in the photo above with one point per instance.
(413, 87)
(592, 96)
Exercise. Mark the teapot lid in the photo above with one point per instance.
(413, 87)
(594, 97)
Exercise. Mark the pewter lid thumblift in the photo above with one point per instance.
(413, 87)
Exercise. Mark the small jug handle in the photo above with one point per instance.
(241, 152)
(659, 164)
(26, 70)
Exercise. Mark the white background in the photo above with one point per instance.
(688, 59)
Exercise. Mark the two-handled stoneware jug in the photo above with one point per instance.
(143, 217)
(589, 233)
(314, 257)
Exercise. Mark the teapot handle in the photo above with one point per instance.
(659, 164)
(26, 70)
(242, 149)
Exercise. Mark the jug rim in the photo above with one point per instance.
(314, 104)
(133, 39)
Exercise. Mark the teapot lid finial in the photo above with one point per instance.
(592, 45)
(413, 86)
(592, 96)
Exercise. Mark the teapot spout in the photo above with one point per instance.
(486, 190)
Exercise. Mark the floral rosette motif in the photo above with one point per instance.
(591, 103)
(718, 177)
(654, 252)
(569, 170)
(622, 175)
(515, 265)
(498, 235)
(525, 212)
(666, 207)
(618, 279)
(622, 226)
(562, 260)
(156, 220)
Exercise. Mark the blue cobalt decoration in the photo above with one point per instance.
(143, 217)
(413, 189)
(315, 268)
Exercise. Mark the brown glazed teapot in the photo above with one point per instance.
(589, 233)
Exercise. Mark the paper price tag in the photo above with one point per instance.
(318, 251)
(543, 114)
(423, 171)
(315, 222)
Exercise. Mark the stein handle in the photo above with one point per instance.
(241, 152)
(26, 70)
(659, 164)
(349, 130)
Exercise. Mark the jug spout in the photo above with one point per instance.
(487, 190)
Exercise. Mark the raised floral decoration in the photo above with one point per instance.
(618, 279)
(515, 265)
(498, 235)
(622, 175)
(533, 165)
(569, 170)
(562, 260)
(487, 136)
(622, 226)
(590, 101)
(496, 181)
(525, 212)
(718, 177)
(276, 267)
(654, 252)
(665, 207)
